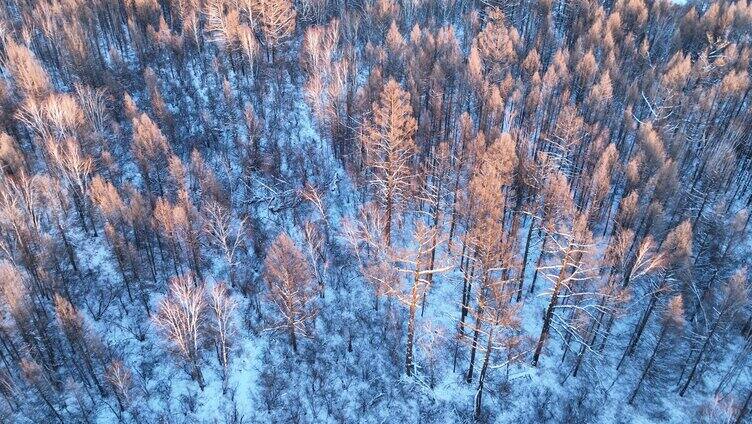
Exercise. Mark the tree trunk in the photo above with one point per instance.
(524, 260)
(648, 365)
(434, 242)
(388, 224)
(482, 376)
(198, 375)
(551, 306)
(293, 339)
(476, 334)
(704, 348)
(635, 339)
(409, 366)
(538, 263)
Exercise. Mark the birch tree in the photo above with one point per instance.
(182, 317)
(226, 233)
(223, 307)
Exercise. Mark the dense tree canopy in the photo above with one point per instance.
(375, 211)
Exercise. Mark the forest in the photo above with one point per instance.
(375, 211)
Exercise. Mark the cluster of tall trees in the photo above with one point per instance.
(475, 190)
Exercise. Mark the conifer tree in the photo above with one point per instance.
(389, 151)
(292, 288)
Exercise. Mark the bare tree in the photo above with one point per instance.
(223, 308)
(399, 272)
(75, 170)
(676, 251)
(276, 19)
(121, 381)
(225, 232)
(182, 316)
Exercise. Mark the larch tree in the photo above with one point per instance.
(179, 220)
(26, 70)
(672, 323)
(490, 257)
(167, 219)
(502, 333)
(467, 149)
(676, 250)
(497, 45)
(492, 251)
(554, 208)
(118, 225)
(33, 374)
(150, 148)
(33, 325)
(85, 350)
(729, 301)
(292, 288)
(389, 151)
(613, 137)
(434, 190)
(574, 245)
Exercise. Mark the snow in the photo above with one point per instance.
(326, 382)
